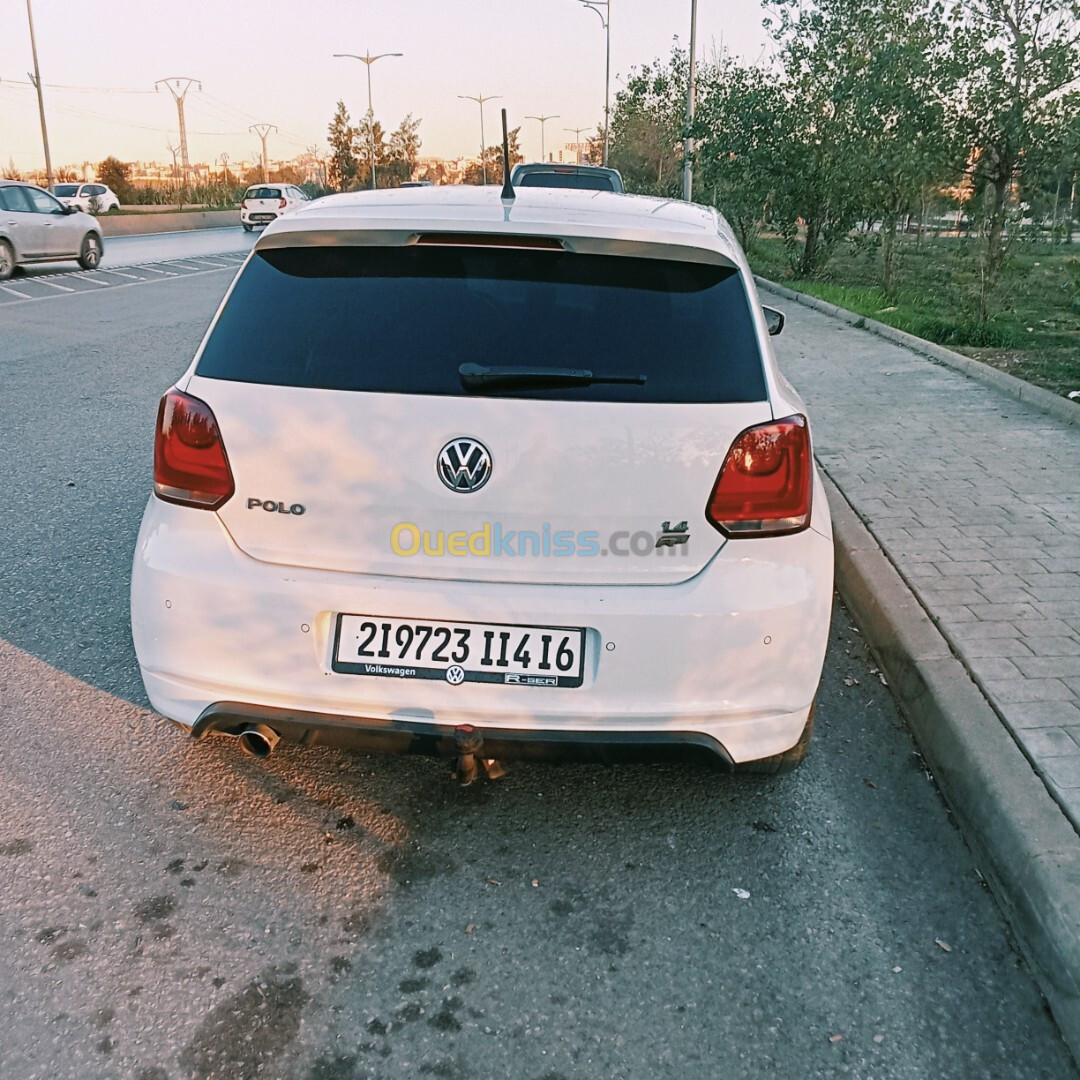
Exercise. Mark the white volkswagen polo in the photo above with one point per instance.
(455, 472)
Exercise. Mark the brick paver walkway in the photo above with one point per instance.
(975, 497)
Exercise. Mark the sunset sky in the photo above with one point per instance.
(272, 62)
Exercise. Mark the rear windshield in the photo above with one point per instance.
(263, 193)
(581, 181)
(68, 190)
(402, 320)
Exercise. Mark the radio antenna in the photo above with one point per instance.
(508, 188)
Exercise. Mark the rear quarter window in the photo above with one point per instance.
(566, 180)
(402, 320)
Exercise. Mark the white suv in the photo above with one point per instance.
(263, 203)
(89, 198)
(456, 473)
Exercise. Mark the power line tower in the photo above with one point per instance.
(173, 150)
(173, 85)
(262, 130)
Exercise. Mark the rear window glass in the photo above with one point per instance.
(66, 190)
(263, 193)
(402, 320)
(582, 181)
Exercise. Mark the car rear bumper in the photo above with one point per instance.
(729, 660)
(418, 737)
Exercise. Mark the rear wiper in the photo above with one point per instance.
(478, 377)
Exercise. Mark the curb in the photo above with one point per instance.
(160, 224)
(1053, 404)
(1025, 847)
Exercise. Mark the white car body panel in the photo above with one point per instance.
(734, 653)
(627, 470)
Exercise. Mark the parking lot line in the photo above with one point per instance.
(53, 285)
(119, 273)
(15, 292)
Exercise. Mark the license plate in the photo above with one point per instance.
(263, 217)
(459, 652)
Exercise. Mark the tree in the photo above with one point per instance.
(822, 168)
(593, 154)
(493, 158)
(402, 151)
(117, 175)
(342, 167)
(738, 114)
(368, 130)
(1018, 67)
(647, 127)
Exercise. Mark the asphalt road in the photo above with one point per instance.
(176, 910)
(156, 247)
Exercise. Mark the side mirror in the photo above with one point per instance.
(774, 320)
(69, 209)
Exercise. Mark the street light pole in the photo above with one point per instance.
(577, 140)
(36, 80)
(688, 150)
(368, 59)
(480, 101)
(596, 5)
(543, 120)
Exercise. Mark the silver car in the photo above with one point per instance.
(36, 227)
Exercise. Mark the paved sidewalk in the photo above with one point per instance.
(975, 498)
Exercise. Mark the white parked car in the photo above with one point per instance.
(452, 475)
(263, 203)
(89, 198)
(35, 227)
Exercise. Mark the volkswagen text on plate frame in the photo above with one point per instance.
(633, 393)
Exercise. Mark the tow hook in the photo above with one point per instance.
(468, 743)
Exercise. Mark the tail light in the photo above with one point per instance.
(281, 205)
(765, 483)
(243, 204)
(190, 464)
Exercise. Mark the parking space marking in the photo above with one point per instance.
(106, 278)
(119, 273)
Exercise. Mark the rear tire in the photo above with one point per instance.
(90, 253)
(786, 762)
(247, 227)
(7, 260)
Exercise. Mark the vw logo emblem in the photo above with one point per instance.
(455, 675)
(464, 465)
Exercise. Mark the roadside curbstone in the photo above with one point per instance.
(166, 222)
(1059, 407)
(1026, 848)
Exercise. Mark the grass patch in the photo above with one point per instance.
(1035, 335)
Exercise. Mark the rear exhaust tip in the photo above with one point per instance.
(258, 740)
